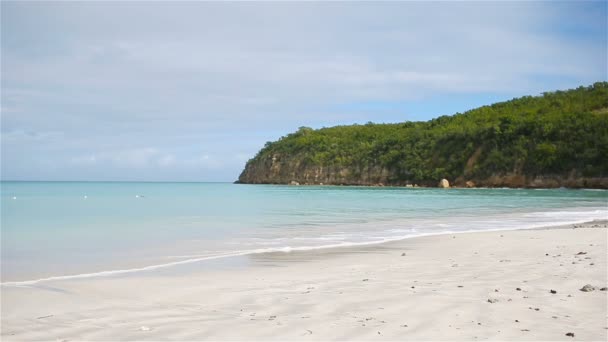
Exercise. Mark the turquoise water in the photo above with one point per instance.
(56, 229)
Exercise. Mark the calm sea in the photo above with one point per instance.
(83, 229)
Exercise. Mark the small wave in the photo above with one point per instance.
(286, 249)
(116, 272)
(596, 213)
(413, 233)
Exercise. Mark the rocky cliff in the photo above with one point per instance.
(279, 169)
(276, 169)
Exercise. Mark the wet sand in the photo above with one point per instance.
(472, 286)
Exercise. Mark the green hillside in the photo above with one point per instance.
(561, 135)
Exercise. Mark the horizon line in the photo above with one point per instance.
(110, 181)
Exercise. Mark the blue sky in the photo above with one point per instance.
(188, 91)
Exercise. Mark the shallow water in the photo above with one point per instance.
(54, 229)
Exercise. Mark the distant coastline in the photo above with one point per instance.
(599, 183)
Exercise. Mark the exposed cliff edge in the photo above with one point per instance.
(559, 139)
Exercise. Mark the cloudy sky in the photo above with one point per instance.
(189, 91)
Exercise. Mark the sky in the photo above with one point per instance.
(189, 91)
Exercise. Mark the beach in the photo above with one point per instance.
(303, 171)
(470, 286)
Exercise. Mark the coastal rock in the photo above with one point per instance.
(444, 183)
(294, 183)
(469, 184)
(588, 288)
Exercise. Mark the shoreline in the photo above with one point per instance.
(418, 186)
(308, 185)
(434, 287)
(246, 253)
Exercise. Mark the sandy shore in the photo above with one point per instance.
(439, 290)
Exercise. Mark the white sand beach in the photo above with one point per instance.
(471, 286)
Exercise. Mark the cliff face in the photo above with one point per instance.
(559, 139)
(276, 169)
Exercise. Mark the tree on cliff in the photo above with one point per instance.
(558, 133)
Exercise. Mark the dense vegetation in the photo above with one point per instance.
(561, 133)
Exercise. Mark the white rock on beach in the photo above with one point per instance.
(444, 183)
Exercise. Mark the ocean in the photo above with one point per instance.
(63, 230)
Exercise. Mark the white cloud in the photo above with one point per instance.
(131, 158)
(148, 157)
(224, 78)
(25, 137)
(84, 160)
(204, 161)
(167, 160)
